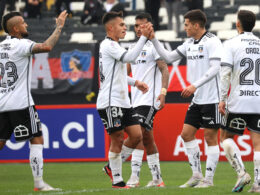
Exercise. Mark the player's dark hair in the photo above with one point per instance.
(196, 16)
(247, 20)
(144, 15)
(8, 17)
(110, 16)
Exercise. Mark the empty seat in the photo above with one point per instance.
(215, 26)
(80, 37)
(226, 34)
(230, 18)
(166, 35)
(77, 6)
(252, 8)
(130, 36)
(129, 20)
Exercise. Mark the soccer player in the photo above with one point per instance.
(240, 67)
(203, 53)
(153, 71)
(113, 102)
(17, 112)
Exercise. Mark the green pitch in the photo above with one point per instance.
(88, 178)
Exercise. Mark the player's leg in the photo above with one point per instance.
(211, 137)
(136, 163)
(6, 129)
(235, 124)
(254, 127)
(152, 159)
(211, 121)
(191, 125)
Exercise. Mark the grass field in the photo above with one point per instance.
(87, 178)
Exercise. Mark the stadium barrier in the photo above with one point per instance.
(75, 133)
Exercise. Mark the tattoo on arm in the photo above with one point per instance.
(165, 73)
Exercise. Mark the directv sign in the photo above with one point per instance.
(70, 134)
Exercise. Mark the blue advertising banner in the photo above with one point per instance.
(70, 134)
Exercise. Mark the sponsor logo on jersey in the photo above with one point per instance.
(249, 93)
(76, 65)
(196, 57)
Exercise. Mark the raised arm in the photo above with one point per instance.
(48, 45)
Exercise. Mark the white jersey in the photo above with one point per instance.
(242, 53)
(15, 74)
(145, 69)
(113, 89)
(198, 54)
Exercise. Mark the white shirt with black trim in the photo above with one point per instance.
(113, 89)
(145, 69)
(198, 54)
(15, 74)
(242, 55)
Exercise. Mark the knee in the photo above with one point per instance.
(186, 136)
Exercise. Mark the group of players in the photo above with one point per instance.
(212, 69)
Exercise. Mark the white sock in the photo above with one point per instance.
(212, 161)
(126, 152)
(257, 167)
(136, 162)
(115, 163)
(36, 162)
(193, 152)
(234, 156)
(154, 165)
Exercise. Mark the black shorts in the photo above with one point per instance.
(205, 116)
(146, 116)
(117, 118)
(25, 124)
(236, 123)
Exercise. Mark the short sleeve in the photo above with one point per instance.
(25, 46)
(215, 48)
(227, 56)
(115, 50)
(181, 49)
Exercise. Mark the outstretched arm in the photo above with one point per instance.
(47, 45)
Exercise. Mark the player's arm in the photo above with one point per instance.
(136, 83)
(165, 80)
(225, 79)
(210, 74)
(47, 45)
(168, 56)
(133, 53)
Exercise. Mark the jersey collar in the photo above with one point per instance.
(197, 41)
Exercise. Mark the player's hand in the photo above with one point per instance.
(146, 29)
(141, 86)
(152, 35)
(60, 21)
(188, 91)
(222, 107)
(161, 98)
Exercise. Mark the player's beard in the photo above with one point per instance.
(25, 34)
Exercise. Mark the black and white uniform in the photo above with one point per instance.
(241, 69)
(203, 63)
(145, 69)
(17, 112)
(113, 102)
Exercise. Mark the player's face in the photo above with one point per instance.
(190, 28)
(119, 28)
(22, 27)
(138, 24)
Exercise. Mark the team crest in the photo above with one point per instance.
(117, 123)
(143, 53)
(200, 48)
(75, 65)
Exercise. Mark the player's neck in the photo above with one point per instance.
(113, 37)
(19, 36)
(199, 34)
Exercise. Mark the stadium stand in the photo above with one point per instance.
(221, 21)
